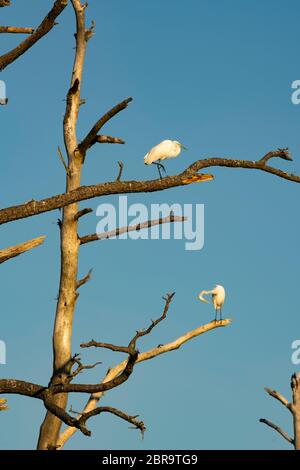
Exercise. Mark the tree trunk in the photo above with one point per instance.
(295, 384)
(62, 336)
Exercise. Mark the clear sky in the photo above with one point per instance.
(217, 76)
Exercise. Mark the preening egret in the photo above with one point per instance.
(218, 298)
(166, 149)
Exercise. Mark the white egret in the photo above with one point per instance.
(166, 149)
(218, 298)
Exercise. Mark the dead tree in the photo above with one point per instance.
(67, 366)
(293, 407)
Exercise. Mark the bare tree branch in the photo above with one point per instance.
(121, 167)
(16, 30)
(120, 414)
(91, 137)
(132, 344)
(81, 367)
(44, 28)
(80, 422)
(4, 3)
(168, 299)
(279, 397)
(20, 387)
(278, 429)
(127, 371)
(145, 356)
(107, 139)
(280, 153)
(83, 212)
(131, 228)
(12, 251)
(84, 280)
(188, 176)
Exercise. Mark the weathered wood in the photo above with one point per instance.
(293, 407)
(16, 30)
(44, 28)
(13, 251)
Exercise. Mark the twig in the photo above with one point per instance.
(62, 160)
(75, 360)
(89, 33)
(168, 299)
(278, 429)
(84, 280)
(121, 167)
(280, 153)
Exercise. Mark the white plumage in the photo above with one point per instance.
(166, 149)
(218, 298)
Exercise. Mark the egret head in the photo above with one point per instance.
(180, 145)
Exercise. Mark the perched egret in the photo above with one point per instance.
(166, 149)
(218, 298)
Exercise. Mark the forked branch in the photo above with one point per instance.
(44, 28)
(92, 136)
(144, 356)
(293, 407)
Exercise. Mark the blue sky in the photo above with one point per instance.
(217, 76)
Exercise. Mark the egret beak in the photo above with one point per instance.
(183, 147)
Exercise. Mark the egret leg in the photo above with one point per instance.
(221, 313)
(216, 315)
(158, 167)
(162, 167)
